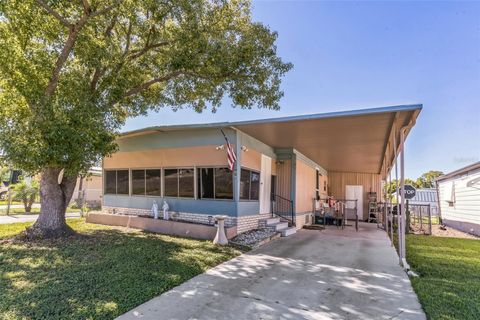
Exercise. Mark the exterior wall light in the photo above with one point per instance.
(244, 149)
(220, 147)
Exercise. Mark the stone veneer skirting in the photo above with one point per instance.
(243, 223)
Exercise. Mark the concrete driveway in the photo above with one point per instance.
(329, 274)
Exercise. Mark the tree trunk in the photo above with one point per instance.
(54, 199)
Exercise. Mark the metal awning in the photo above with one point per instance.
(347, 141)
(350, 141)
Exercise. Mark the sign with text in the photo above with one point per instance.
(410, 191)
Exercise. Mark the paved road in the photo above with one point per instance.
(18, 206)
(330, 274)
(28, 217)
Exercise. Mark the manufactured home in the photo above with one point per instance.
(284, 166)
(459, 198)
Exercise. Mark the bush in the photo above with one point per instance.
(26, 193)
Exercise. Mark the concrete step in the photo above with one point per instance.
(280, 226)
(288, 231)
(272, 221)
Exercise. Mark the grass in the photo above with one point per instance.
(449, 283)
(5, 202)
(99, 275)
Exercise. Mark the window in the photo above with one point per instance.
(223, 183)
(249, 185)
(179, 183)
(153, 182)
(138, 182)
(215, 183)
(171, 182)
(116, 182)
(146, 182)
(206, 183)
(186, 183)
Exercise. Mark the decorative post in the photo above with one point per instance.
(220, 237)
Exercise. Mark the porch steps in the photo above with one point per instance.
(288, 231)
(271, 221)
(281, 227)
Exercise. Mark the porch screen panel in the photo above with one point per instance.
(245, 184)
(223, 183)
(122, 181)
(171, 182)
(153, 182)
(254, 185)
(138, 182)
(110, 182)
(207, 183)
(186, 183)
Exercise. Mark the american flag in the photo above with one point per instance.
(231, 156)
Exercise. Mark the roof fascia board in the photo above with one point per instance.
(472, 167)
(337, 114)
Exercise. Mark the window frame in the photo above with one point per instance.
(194, 197)
(250, 185)
(198, 182)
(145, 182)
(129, 182)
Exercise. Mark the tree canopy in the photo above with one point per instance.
(72, 72)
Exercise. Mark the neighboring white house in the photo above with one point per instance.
(459, 198)
(90, 188)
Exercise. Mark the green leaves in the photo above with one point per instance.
(73, 73)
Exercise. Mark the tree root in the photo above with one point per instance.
(34, 233)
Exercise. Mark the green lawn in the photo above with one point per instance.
(99, 275)
(33, 210)
(5, 202)
(449, 282)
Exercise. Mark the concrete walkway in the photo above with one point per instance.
(331, 274)
(15, 218)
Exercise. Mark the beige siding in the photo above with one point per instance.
(370, 182)
(283, 170)
(167, 157)
(305, 185)
(466, 207)
(251, 159)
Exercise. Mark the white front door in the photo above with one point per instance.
(354, 193)
(265, 183)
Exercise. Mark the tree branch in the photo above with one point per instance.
(54, 13)
(106, 9)
(148, 84)
(139, 52)
(62, 58)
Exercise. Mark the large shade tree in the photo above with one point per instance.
(72, 72)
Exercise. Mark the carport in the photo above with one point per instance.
(361, 147)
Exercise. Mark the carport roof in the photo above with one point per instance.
(347, 141)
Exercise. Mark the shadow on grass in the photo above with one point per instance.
(99, 275)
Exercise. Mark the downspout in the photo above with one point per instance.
(438, 202)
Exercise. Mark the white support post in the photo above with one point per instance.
(403, 207)
(390, 215)
(399, 220)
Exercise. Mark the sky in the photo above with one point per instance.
(356, 55)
